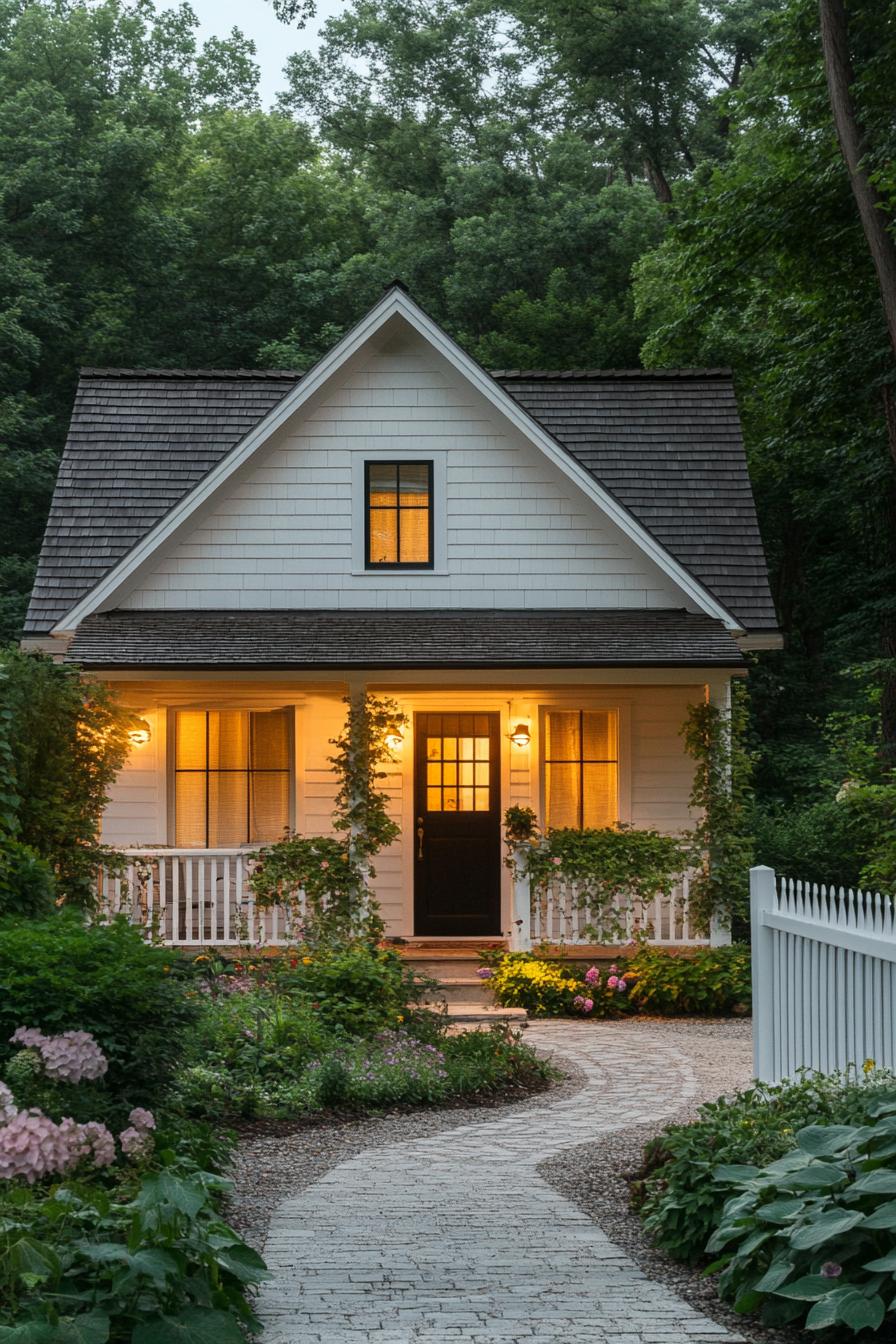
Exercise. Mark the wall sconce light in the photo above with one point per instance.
(394, 738)
(520, 735)
(140, 734)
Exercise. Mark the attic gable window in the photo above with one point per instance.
(398, 515)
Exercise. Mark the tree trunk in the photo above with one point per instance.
(854, 147)
(882, 246)
(657, 179)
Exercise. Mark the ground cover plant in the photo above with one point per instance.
(679, 1200)
(808, 1239)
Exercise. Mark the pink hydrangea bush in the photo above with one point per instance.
(70, 1057)
(33, 1146)
(137, 1141)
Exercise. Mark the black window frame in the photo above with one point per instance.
(581, 760)
(398, 463)
(248, 770)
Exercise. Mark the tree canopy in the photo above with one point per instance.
(666, 181)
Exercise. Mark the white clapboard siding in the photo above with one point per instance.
(824, 977)
(511, 529)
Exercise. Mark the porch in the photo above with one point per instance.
(204, 898)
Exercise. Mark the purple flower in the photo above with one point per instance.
(579, 1002)
(831, 1270)
(135, 1143)
(484, 973)
(68, 1058)
(8, 1107)
(622, 987)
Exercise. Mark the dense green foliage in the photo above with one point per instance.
(62, 742)
(58, 975)
(808, 1239)
(342, 1028)
(709, 982)
(141, 1266)
(680, 1202)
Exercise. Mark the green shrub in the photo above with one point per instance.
(678, 1200)
(60, 975)
(79, 1263)
(358, 989)
(63, 740)
(808, 1239)
(492, 1062)
(821, 842)
(27, 885)
(709, 982)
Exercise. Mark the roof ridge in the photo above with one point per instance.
(612, 373)
(91, 372)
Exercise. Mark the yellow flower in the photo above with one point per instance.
(306, 961)
(399, 1018)
(198, 959)
(166, 969)
(868, 1066)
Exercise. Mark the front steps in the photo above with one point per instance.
(453, 964)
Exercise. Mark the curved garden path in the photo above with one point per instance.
(456, 1237)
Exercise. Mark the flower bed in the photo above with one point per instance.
(710, 981)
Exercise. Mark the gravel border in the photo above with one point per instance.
(593, 1175)
(269, 1167)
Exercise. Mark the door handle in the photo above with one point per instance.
(419, 837)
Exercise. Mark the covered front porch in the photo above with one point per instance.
(230, 761)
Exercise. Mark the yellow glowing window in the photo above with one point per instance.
(458, 765)
(231, 777)
(398, 515)
(581, 768)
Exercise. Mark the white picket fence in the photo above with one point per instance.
(190, 897)
(824, 976)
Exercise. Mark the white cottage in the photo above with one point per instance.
(544, 569)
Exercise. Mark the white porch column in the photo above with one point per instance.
(521, 923)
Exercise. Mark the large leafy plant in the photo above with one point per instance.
(709, 980)
(80, 1266)
(809, 1238)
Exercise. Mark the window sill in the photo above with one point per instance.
(398, 573)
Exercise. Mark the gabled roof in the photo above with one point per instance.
(661, 451)
(341, 640)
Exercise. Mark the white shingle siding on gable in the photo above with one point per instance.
(516, 532)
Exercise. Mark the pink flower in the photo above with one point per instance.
(8, 1107)
(614, 969)
(135, 1143)
(29, 1037)
(592, 976)
(612, 981)
(587, 1005)
(831, 1270)
(68, 1058)
(325, 863)
(142, 1119)
(579, 1002)
(556, 861)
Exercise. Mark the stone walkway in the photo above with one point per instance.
(457, 1238)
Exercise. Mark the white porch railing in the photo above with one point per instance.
(824, 976)
(555, 916)
(192, 897)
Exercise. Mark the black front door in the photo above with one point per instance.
(457, 825)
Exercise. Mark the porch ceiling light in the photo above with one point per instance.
(140, 734)
(520, 735)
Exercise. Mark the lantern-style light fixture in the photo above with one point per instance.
(520, 735)
(140, 734)
(394, 738)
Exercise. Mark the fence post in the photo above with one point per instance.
(762, 898)
(719, 932)
(521, 921)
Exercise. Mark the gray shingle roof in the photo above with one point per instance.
(666, 444)
(381, 639)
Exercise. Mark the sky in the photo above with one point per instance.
(274, 40)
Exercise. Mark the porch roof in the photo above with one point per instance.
(342, 640)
